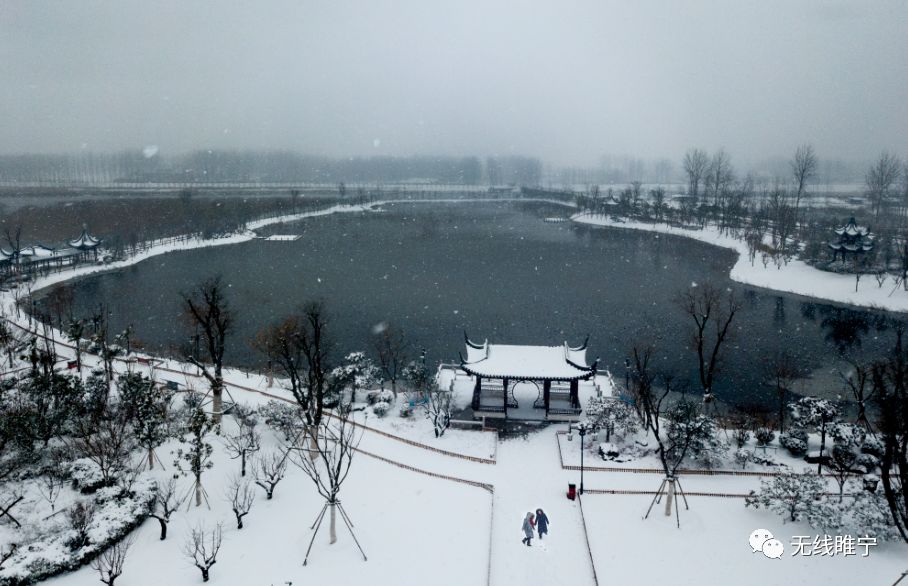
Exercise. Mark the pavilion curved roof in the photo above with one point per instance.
(517, 362)
(85, 241)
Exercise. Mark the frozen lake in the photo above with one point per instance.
(498, 271)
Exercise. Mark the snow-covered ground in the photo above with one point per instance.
(711, 547)
(793, 277)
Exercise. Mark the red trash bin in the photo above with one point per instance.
(572, 491)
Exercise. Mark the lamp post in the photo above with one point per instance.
(582, 428)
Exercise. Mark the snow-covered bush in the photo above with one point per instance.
(872, 445)
(381, 408)
(797, 497)
(869, 514)
(743, 456)
(795, 441)
(380, 396)
(86, 476)
(114, 513)
(283, 417)
(741, 437)
(611, 415)
(764, 436)
(694, 432)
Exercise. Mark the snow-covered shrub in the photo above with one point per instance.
(86, 476)
(764, 436)
(743, 456)
(694, 432)
(283, 417)
(741, 437)
(795, 441)
(867, 462)
(612, 416)
(114, 514)
(380, 396)
(869, 514)
(797, 497)
(873, 446)
(381, 408)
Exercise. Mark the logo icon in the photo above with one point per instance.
(763, 541)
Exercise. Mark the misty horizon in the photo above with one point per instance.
(566, 84)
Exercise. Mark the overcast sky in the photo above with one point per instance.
(567, 81)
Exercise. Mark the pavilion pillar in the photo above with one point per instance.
(504, 395)
(575, 390)
(546, 390)
(477, 393)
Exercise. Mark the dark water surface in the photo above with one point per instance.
(499, 272)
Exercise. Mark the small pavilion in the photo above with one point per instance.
(497, 368)
(85, 243)
(851, 239)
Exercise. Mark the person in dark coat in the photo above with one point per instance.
(528, 525)
(542, 523)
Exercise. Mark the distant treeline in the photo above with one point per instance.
(207, 166)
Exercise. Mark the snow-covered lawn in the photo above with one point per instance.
(793, 277)
(711, 547)
(410, 525)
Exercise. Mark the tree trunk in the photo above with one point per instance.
(151, 458)
(669, 494)
(204, 575)
(333, 523)
(243, 463)
(217, 402)
(822, 448)
(163, 528)
(198, 492)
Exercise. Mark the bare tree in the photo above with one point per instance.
(712, 311)
(695, 164)
(334, 448)
(269, 470)
(720, 175)
(438, 406)
(202, 547)
(209, 312)
(652, 405)
(240, 496)
(890, 382)
(166, 502)
(391, 347)
(110, 563)
(803, 169)
(246, 440)
(781, 371)
(880, 178)
(49, 486)
(301, 346)
(858, 382)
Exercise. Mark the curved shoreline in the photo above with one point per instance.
(795, 277)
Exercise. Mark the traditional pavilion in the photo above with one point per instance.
(86, 243)
(851, 239)
(498, 367)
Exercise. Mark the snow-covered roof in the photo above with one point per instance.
(85, 241)
(852, 229)
(527, 362)
(37, 251)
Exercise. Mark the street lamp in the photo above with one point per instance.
(582, 429)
